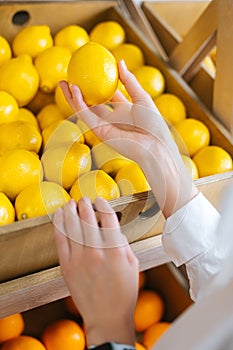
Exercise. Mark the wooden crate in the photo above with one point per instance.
(171, 21)
(28, 268)
(160, 279)
(188, 31)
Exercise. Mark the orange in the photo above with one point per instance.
(130, 53)
(149, 309)
(153, 333)
(141, 280)
(11, 327)
(191, 136)
(151, 80)
(171, 108)
(64, 334)
(23, 342)
(94, 69)
(139, 346)
(71, 307)
(212, 160)
(109, 34)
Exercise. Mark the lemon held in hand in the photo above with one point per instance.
(95, 183)
(212, 160)
(94, 69)
(40, 199)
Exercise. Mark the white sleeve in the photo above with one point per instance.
(190, 238)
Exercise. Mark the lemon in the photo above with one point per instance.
(7, 210)
(18, 169)
(95, 183)
(48, 115)
(52, 65)
(32, 40)
(212, 160)
(94, 69)
(131, 180)
(213, 54)
(62, 103)
(19, 77)
(72, 37)
(8, 108)
(21, 135)
(131, 54)
(151, 79)
(63, 164)
(171, 107)
(26, 115)
(192, 135)
(39, 101)
(62, 131)
(5, 50)
(40, 199)
(107, 159)
(109, 34)
(89, 136)
(209, 64)
(191, 166)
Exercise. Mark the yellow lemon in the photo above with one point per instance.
(72, 37)
(62, 103)
(151, 79)
(131, 54)
(131, 180)
(21, 135)
(191, 135)
(94, 69)
(52, 65)
(26, 115)
(18, 169)
(62, 131)
(171, 107)
(5, 50)
(7, 210)
(63, 164)
(32, 40)
(107, 159)
(212, 160)
(95, 183)
(213, 54)
(191, 166)
(19, 77)
(48, 115)
(90, 137)
(209, 64)
(39, 101)
(8, 108)
(40, 199)
(109, 34)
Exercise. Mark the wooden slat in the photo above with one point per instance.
(46, 286)
(197, 43)
(223, 91)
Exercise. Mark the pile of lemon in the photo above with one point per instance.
(46, 158)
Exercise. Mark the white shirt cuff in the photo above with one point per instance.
(190, 231)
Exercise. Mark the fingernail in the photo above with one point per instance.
(123, 64)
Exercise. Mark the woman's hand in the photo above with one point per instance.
(99, 268)
(139, 132)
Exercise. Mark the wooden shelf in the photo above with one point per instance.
(43, 287)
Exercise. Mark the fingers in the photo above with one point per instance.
(119, 97)
(137, 93)
(61, 240)
(67, 93)
(72, 224)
